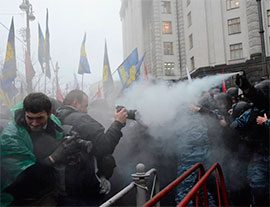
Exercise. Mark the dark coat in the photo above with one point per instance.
(88, 128)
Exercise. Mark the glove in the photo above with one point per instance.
(66, 147)
(105, 185)
(242, 81)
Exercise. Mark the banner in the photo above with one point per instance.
(107, 79)
(127, 70)
(41, 48)
(83, 65)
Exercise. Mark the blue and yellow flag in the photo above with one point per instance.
(138, 68)
(41, 48)
(9, 71)
(83, 65)
(108, 85)
(127, 70)
(47, 47)
(10, 68)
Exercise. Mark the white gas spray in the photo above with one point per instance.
(160, 102)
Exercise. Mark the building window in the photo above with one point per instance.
(167, 27)
(166, 7)
(192, 63)
(236, 51)
(232, 4)
(169, 68)
(268, 17)
(168, 48)
(189, 19)
(188, 2)
(190, 41)
(234, 26)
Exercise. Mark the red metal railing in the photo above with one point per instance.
(216, 167)
(195, 190)
(176, 182)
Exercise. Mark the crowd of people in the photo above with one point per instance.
(56, 154)
(232, 129)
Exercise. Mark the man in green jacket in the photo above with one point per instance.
(32, 145)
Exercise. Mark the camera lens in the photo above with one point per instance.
(131, 114)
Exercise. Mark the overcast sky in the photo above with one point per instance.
(68, 21)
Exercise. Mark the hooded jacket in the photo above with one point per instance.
(17, 151)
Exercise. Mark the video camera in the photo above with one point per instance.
(80, 144)
(131, 113)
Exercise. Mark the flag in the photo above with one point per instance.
(29, 70)
(223, 83)
(83, 65)
(4, 98)
(47, 47)
(59, 94)
(138, 69)
(128, 68)
(9, 71)
(146, 73)
(108, 85)
(41, 48)
(188, 75)
(10, 91)
(99, 95)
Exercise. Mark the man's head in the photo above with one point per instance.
(77, 99)
(37, 108)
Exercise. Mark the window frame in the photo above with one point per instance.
(189, 19)
(190, 38)
(169, 71)
(192, 63)
(168, 50)
(166, 10)
(232, 4)
(268, 17)
(170, 27)
(232, 25)
(234, 52)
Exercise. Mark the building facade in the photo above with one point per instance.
(203, 36)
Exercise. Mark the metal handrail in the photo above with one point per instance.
(216, 167)
(119, 195)
(175, 183)
(139, 180)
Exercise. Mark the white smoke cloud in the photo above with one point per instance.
(159, 103)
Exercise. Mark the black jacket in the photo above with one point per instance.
(88, 128)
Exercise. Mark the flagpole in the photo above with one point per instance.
(27, 7)
(45, 83)
(56, 77)
(82, 82)
(54, 81)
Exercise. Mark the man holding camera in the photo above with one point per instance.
(31, 146)
(87, 178)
